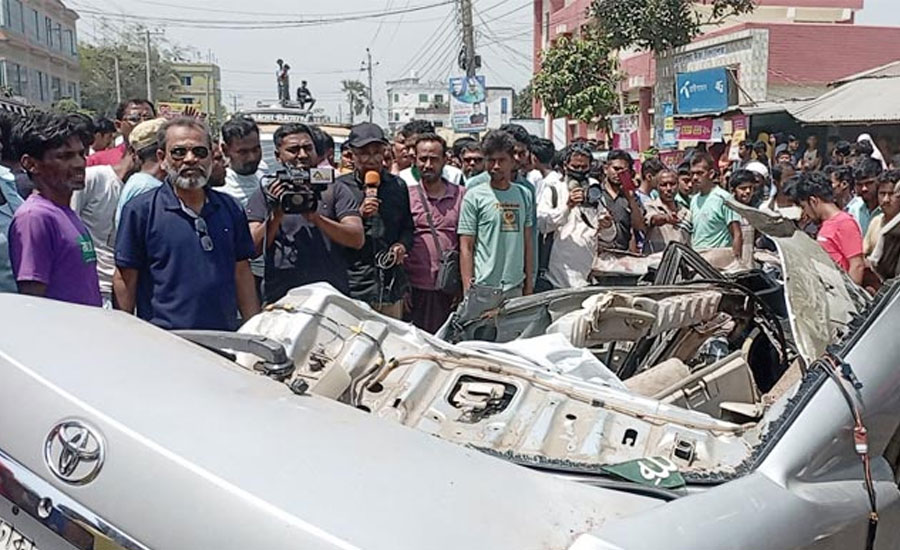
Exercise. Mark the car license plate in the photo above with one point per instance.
(10, 539)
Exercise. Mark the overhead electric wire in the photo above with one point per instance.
(231, 24)
(448, 26)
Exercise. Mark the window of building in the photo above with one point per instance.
(396, 98)
(73, 91)
(438, 99)
(396, 117)
(59, 36)
(4, 14)
(438, 123)
(186, 80)
(423, 98)
(42, 83)
(16, 16)
(16, 78)
(56, 88)
(187, 100)
(504, 105)
(48, 30)
(31, 25)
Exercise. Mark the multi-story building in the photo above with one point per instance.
(38, 51)
(199, 84)
(784, 49)
(411, 99)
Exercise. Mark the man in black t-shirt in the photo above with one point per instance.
(376, 270)
(303, 248)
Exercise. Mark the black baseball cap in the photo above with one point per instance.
(364, 134)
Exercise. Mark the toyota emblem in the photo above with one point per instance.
(74, 452)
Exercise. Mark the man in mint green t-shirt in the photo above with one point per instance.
(495, 227)
(715, 225)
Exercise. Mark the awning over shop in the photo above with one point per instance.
(867, 98)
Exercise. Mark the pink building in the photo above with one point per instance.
(784, 48)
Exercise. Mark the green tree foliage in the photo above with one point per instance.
(660, 25)
(98, 76)
(357, 96)
(578, 78)
(522, 103)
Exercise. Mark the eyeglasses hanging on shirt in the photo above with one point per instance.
(200, 227)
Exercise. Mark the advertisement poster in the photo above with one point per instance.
(625, 132)
(174, 110)
(669, 137)
(468, 108)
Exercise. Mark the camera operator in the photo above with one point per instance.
(376, 270)
(300, 247)
(571, 214)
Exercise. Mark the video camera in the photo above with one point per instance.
(304, 188)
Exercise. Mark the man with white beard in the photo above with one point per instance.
(183, 249)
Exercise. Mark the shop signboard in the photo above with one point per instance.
(468, 107)
(699, 129)
(702, 91)
(624, 132)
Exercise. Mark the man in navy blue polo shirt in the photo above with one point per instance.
(183, 250)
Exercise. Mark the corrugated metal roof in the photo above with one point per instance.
(866, 100)
(890, 70)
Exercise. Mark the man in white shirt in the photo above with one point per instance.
(96, 206)
(240, 145)
(569, 208)
(542, 153)
(409, 132)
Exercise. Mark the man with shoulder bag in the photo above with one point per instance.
(433, 263)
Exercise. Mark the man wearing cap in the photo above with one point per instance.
(96, 205)
(376, 270)
(150, 174)
(300, 249)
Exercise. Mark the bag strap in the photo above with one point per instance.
(424, 198)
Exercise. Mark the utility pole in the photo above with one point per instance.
(369, 69)
(118, 81)
(147, 59)
(465, 7)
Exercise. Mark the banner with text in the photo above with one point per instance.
(468, 110)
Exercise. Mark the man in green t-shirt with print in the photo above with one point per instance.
(715, 225)
(495, 232)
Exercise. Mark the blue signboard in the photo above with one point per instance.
(702, 91)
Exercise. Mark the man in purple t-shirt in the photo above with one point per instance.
(51, 251)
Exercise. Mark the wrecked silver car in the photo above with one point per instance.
(692, 414)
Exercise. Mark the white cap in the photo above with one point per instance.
(758, 167)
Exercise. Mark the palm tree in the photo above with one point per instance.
(357, 96)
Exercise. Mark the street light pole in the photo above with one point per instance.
(118, 80)
(371, 103)
(147, 59)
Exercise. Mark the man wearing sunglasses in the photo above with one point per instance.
(129, 114)
(183, 249)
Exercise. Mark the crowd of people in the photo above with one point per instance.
(189, 231)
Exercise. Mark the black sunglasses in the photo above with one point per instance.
(179, 153)
(138, 118)
(203, 232)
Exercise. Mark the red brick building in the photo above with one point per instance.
(786, 49)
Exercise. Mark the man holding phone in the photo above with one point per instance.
(618, 197)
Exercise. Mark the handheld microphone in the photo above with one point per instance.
(373, 180)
